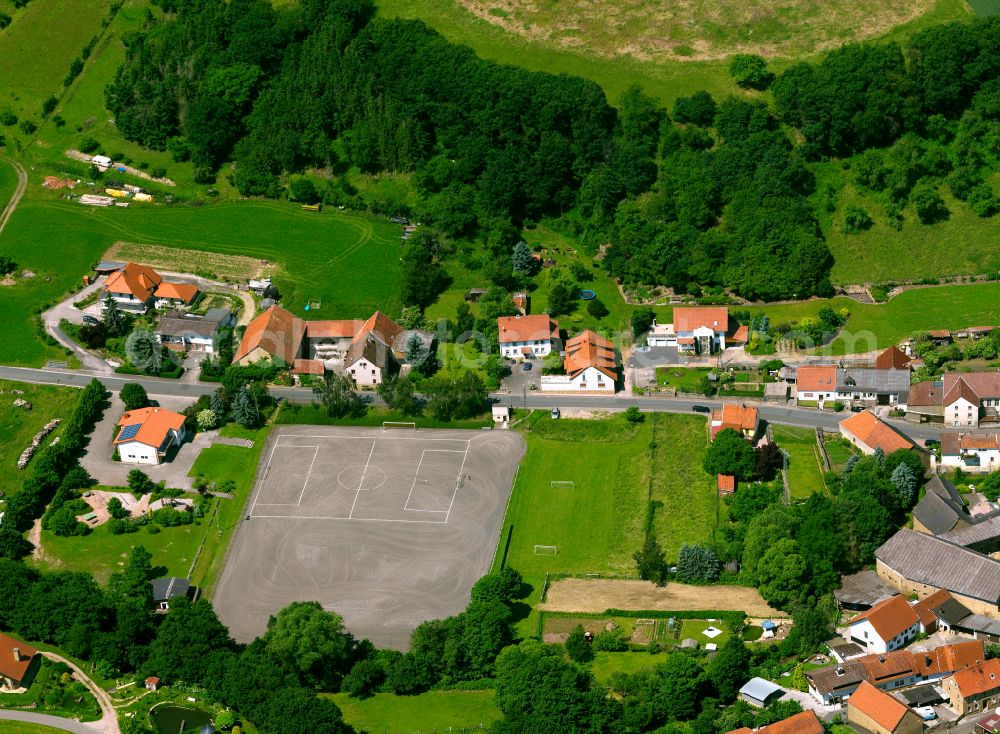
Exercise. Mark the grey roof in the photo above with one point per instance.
(109, 265)
(951, 611)
(401, 344)
(862, 589)
(928, 560)
(846, 676)
(986, 530)
(941, 508)
(218, 314)
(871, 380)
(844, 649)
(760, 689)
(169, 588)
(979, 623)
(177, 324)
(920, 696)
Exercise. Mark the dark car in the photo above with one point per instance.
(526, 366)
(857, 409)
(931, 442)
(87, 319)
(701, 409)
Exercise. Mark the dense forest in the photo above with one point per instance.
(716, 193)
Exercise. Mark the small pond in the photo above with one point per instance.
(177, 719)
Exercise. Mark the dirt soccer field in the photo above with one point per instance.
(598, 595)
(386, 528)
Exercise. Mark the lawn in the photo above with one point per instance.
(49, 695)
(839, 450)
(596, 524)
(805, 468)
(684, 379)
(347, 262)
(18, 426)
(690, 508)
(606, 664)
(695, 629)
(20, 727)
(385, 713)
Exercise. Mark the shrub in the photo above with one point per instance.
(49, 105)
(577, 646)
(597, 309)
(134, 396)
(856, 220)
(89, 145)
(928, 203)
(750, 71)
(8, 118)
(28, 127)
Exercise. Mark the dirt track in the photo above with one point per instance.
(597, 595)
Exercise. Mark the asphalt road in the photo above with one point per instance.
(74, 727)
(786, 415)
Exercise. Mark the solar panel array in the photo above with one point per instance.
(129, 431)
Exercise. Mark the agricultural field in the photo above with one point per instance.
(386, 713)
(18, 425)
(805, 467)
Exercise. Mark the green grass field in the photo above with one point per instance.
(18, 426)
(839, 450)
(20, 727)
(606, 664)
(385, 713)
(695, 629)
(805, 468)
(684, 379)
(690, 510)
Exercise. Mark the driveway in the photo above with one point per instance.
(98, 462)
(809, 703)
(521, 379)
(652, 357)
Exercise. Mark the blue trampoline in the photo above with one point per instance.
(587, 295)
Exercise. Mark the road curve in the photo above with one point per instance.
(108, 723)
(22, 184)
(74, 727)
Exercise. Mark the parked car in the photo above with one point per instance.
(526, 366)
(88, 319)
(701, 409)
(857, 409)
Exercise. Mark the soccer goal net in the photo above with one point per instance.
(562, 485)
(386, 425)
(546, 550)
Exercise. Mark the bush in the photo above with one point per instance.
(158, 172)
(121, 526)
(856, 220)
(4, 20)
(577, 646)
(28, 127)
(8, 118)
(698, 109)
(89, 145)
(838, 406)
(928, 203)
(48, 106)
(204, 175)
(597, 309)
(750, 71)
(134, 396)
(634, 415)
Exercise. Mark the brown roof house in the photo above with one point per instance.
(18, 664)
(941, 509)
(743, 419)
(975, 689)
(971, 452)
(804, 722)
(880, 713)
(527, 337)
(961, 400)
(590, 366)
(889, 625)
(868, 432)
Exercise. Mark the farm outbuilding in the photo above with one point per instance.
(759, 692)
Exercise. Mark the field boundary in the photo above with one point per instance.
(176, 259)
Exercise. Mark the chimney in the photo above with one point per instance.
(840, 670)
(17, 654)
(881, 658)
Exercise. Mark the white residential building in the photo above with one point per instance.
(972, 452)
(889, 625)
(147, 434)
(527, 337)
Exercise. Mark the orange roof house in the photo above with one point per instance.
(816, 378)
(741, 418)
(866, 431)
(275, 333)
(133, 282)
(183, 292)
(521, 329)
(974, 689)
(878, 712)
(726, 483)
(892, 358)
(890, 620)
(590, 350)
(147, 434)
(804, 722)
(18, 663)
(689, 318)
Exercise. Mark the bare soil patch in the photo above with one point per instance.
(696, 30)
(199, 262)
(598, 595)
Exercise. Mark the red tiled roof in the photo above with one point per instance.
(590, 349)
(947, 658)
(804, 722)
(726, 483)
(155, 424)
(740, 336)
(973, 386)
(527, 328)
(341, 329)
(989, 723)
(276, 331)
(816, 378)
(185, 292)
(924, 608)
(740, 417)
(892, 358)
(979, 678)
(9, 667)
(382, 327)
(889, 617)
(308, 367)
(134, 279)
(689, 318)
(874, 433)
(956, 443)
(877, 705)
(927, 393)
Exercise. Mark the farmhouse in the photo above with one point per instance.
(893, 358)
(367, 350)
(816, 383)
(921, 564)
(972, 452)
(188, 331)
(982, 537)
(18, 664)
(860, 386)
(861, 591)
(962, 400)
(132, 287)
(741, 418)
(941, 509)
(878, 712)
(175, 294)
(868, 432)
(165, 590)
(590, 367)
(698, 330)
(525, 337)
(974, 689)
(147, 435)
(888, 625)
(891, 670)
(940, 611)
(804, 722)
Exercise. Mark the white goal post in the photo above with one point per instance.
(386, 425)
(546, 550)
(562, 485)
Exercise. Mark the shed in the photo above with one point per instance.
(759, 692)
(152, 683)
(501, 414)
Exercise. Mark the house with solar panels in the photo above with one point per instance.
(147, 435)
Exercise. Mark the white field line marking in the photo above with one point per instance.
(416, 474)
(370, 438)
(308, 474)
(260, 483)
(362, 482)
(351, 519)
(458, 483)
